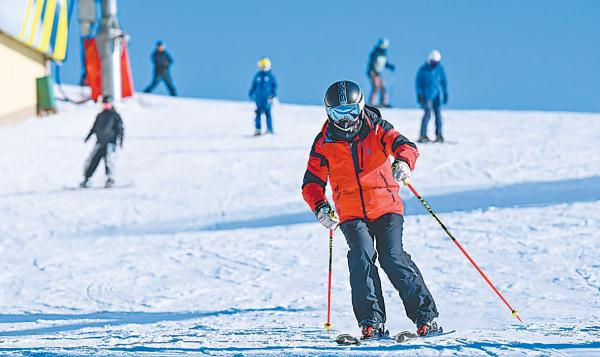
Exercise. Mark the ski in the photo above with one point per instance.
(347, 339)
(404, 336)
(445, 142)
(113, 187)
(259, 135)
(407, 335)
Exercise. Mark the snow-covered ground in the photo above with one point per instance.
(213, 251)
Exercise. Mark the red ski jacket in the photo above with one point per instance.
(359, 171)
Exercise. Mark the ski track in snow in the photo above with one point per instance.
(212, 250)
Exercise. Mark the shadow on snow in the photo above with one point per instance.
(532, 194)
(457, 346)
(117, 318)
(460, 346)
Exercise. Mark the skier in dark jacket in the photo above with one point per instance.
(162, 62)
(352, 152)
(263, 91)
(108, 129)
(432, 92)
(378, 61)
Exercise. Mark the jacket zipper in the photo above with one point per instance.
(354, 154)
(387, 187)
(361, 162)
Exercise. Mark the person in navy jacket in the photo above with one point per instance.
(263, 91)
(162, 61)
(432, 92)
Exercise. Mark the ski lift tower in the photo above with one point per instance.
(109, 41)
(109, 48)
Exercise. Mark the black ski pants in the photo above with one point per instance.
(164, 76)
(104, 152)
(385, 234)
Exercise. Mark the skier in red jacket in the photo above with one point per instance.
(352, 152)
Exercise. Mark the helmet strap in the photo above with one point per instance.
(342, 129)
(350, 129)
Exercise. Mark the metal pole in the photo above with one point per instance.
(514, 312)
(328, 323)
(87, 16)
(109, 48)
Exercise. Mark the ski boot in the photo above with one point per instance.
(423, 139)
(109, 183)
(257, 132)
(85, 183)
(439, 139)
(431, 327)
(371, 329)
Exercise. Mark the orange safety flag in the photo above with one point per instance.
(93, 68)
(127, 87)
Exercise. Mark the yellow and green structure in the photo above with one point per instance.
(32, 32)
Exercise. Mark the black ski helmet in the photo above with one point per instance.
(344, 103)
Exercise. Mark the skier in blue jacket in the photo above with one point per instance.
(263, 91)
(378, 61)
(432, 92)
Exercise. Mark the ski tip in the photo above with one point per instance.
(408, 335)
(347, 339)
(404, 336)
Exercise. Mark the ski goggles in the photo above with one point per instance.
(344, 112)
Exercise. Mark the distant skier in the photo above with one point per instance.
(378, 60)
(262, 92)
(432, 92)
(108, 129)
(352, 152)
(162, 63)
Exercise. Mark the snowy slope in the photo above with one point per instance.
(213, 250)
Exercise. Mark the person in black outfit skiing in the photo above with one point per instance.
(108, 128)
(162, 62)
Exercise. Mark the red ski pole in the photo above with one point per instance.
(328, 323)
(514, 312)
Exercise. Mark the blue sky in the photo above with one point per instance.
(511, 54)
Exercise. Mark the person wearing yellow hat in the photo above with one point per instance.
(262, 92)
